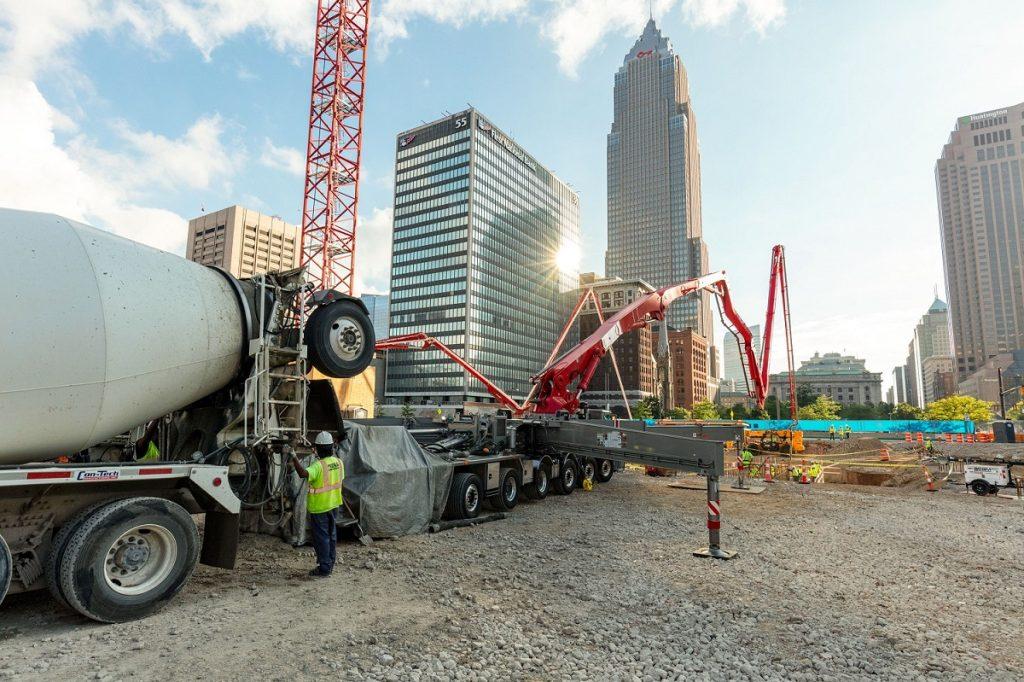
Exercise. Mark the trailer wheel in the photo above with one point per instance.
(568, 478)
(508, 490)
(57, 549)
(980, 487)
(605, 470)
(129, 559)
(466, 496)
(588, 472)
(541, 485)
(340, 339)
(6, 568)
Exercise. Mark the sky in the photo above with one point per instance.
(819, 124)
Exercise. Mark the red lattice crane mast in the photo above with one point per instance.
(334, 150)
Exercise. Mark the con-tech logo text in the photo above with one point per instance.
(99, 475)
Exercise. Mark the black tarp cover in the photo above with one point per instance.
(393, 485)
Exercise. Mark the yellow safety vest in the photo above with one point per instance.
(325, 490)
(152, 453)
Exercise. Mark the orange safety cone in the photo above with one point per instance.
(906, 436)
(920, 437)
(970, 437)
(959, 438)
(803, 473)
(931, 482)
(767, 470)
(949, 437)
(885, 454)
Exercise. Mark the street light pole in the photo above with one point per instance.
(1002, 402)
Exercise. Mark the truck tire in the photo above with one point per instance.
(6, 568)
(541, 485)
(980, 487)
(51, 570)
(508, 490)
(568, 478)
(129, 559)
(605, 470)
(588, 471)
(466, 497)
(340, 339)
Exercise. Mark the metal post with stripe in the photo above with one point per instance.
(714, 550)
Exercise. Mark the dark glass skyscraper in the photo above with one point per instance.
(483, 249)
(654, 219)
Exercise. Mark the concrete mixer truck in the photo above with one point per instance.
(99, 335)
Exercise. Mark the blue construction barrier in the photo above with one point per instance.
(866, 425)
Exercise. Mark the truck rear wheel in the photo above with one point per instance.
(465, 497)
(541, 485)
(588, 471)
(340, 339)
(568, 478)
(605, 470)
(128, 559)
(508, 490)
(6, 568)
(60, 543)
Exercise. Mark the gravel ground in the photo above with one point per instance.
(832, 582)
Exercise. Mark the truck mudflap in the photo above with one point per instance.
(6, 569)
(220, 540)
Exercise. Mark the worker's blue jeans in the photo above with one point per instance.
(325, 540)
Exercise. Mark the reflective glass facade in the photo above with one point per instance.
(478, 226)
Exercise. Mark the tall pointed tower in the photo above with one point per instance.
(654, 219)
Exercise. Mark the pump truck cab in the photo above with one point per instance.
(118, 335)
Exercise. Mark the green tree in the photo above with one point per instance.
(805, 396)
(407, 411)
(642, 410)
(1016, 412)
(907, 411)
(678, 413)
(705, 409)
(883, 410)
(957, 407)
(823, 407)
(857, 411)
(653, 407)
(736, 412)
(773, 406)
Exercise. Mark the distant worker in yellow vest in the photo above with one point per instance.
(815, 471)
(325, 477)
(847, 430)
(831, 431)
(145, 447)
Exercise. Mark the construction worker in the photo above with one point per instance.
(746, 458)
(831, 431)
(815, 471)
(325, 477)
(847, 431)
(145, 447)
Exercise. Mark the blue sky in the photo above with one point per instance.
(819, 123)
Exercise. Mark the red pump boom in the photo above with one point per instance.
(559, 385)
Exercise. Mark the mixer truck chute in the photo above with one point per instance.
(101, 335)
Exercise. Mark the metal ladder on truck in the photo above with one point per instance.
(276, 391)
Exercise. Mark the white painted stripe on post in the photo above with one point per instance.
(713, 508)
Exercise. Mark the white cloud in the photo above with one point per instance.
(34, 33)
(393, 18)
(373, 251)
(288, 159)
(760, 14)
(81, 181)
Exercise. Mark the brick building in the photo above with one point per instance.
(689, 353)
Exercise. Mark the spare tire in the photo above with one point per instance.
(6, 568)
(340, 339)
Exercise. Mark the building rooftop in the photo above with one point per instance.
(938, 306)
(831, 364)
(650, 41)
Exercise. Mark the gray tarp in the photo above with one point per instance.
(393, 485)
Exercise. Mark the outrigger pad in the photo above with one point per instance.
(714, 553)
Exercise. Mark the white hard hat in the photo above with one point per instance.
(324, 438)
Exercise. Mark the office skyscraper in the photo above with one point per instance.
(980, 184)
(377, 307)
(654, 218)
(482, 259)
